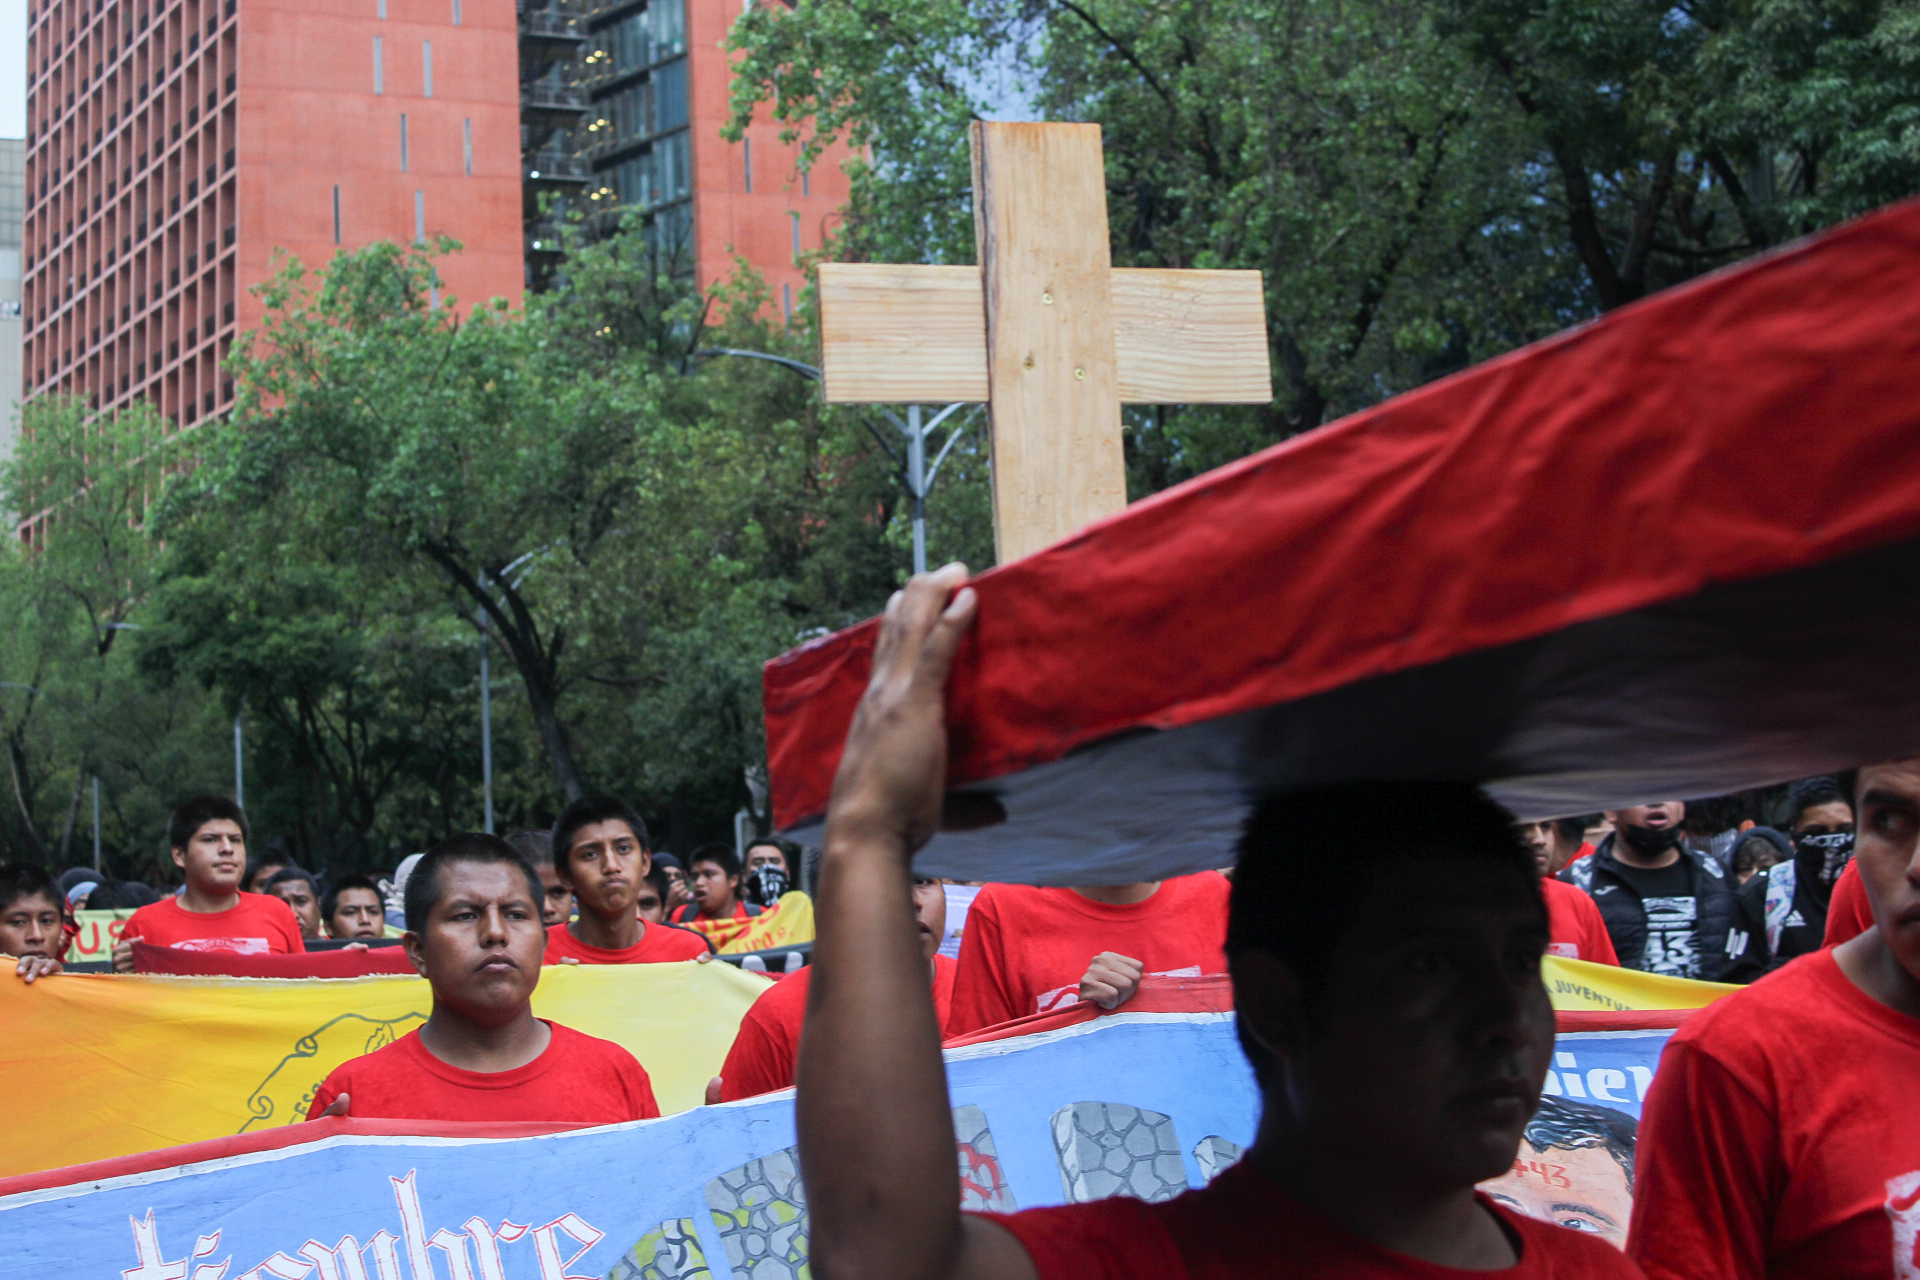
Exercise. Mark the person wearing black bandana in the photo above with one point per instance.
(1668, 908)
(1782, 911)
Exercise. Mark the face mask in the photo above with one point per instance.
(1835, 848)
(765, 884)
(1649, 841)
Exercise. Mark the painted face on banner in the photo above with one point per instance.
(482, 942)
(1581, 1188)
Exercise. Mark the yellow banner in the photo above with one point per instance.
(98, 1065)
(1583, 985)
(785, 923)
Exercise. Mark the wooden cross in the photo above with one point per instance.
(1045, 331)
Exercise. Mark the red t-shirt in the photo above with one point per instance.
(1025, 949)
(258, 925)
(1575, 928)
(658, 944)
(1780, 1137)
(1241, 1225)
(578, 1080)
(767, 1045)
(1849, 914)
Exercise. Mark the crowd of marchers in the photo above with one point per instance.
(1384, 942)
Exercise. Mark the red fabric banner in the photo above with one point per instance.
(343, 963)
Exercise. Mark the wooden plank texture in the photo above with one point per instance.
(1040, 225)
(904, 334)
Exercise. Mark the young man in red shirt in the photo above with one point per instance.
(1575, 927)
(714, 876)
(1780, 1138)
(1028, 950)
(33, 928)
(474, 933)
(600, 854)
(1387, 979)
(208, 835)
(768, 1042)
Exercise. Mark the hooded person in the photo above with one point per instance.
(1781, 912)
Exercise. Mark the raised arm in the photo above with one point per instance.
(876, 1134)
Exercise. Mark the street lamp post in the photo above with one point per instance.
(915, 473)
(486, 731)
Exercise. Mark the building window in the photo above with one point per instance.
(466, 144)
(382, 9)
(796, 233)
(336, 213)
(806, 184)
(426, 67)
(419, 217)
(456, 12)
(746, 162)
(379, 63)
(786, 301)
(403, 142)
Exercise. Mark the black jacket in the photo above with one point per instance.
(1598, 875)
(1779, 913)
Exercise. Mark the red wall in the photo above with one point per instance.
(727, 218)
(309, 119)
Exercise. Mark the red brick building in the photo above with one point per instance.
(175, 146)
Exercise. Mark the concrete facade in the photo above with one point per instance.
(177, 147)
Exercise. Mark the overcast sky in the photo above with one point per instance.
(13, 68)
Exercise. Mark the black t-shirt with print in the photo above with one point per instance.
(1667, 895)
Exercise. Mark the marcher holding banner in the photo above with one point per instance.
(208, 835)
(1780, 1137)
(1387, 977)
(474, 932)
(33, 928)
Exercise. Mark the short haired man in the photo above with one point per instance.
(1668, 909)
(474, 933)
(763, 853)
(537, 848)
(1780, 913)
(33, 921)
(1575, 1169)
(715, 881)
(600, 854)
(1779, 1138)
(1558, 840)
(353, 909)
(1575, 928)
(1387, 980)
(678, 894)
(261, 869)
(650, 903)
(297, 889)
(208, 836)
(768, 1043)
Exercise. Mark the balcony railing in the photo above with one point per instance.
(555, 166)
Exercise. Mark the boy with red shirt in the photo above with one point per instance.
(208, 835)
(1027, 950)
(768, 1042)
(600, 855)
(1387, 980)
(1779, 1138)
(33, 927)
(1575, 927)
(714, 881)
(474, 933)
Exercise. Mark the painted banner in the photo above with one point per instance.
(98, 1065)
(785, 923)
(99, 930)
(1144, 1104)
